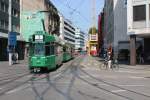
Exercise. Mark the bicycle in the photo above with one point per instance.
(104, 65)
(115, 65)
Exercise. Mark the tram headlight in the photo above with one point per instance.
(36, 37)
(39, 37)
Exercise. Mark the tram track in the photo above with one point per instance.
(79, 69)
(61, 75)
(6, 81)
(74, 73)
(16, 84)
(70, 67)
(34, 78)
(12, 79)
(8, 76)
(109, 84)
(13, 86)
(73, 69)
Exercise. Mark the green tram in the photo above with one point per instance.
(45, 52)
(68, 52)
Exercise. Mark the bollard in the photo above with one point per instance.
(10, 59)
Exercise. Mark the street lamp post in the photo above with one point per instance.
(10, 29)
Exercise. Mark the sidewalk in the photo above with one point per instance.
(95, 62)
(21, 67)
(20, 62)
(126, 72)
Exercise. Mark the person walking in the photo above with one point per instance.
(14, 58)
(140, 53)
(110, 56)
(141, 57)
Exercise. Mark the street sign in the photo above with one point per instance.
(12, 38)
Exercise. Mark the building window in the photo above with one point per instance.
(6, 8)
(3, 24)
(69, 30)
(125, 3)
(69, 39)
(15, 28)
(3, 7)
(139, 13)
(15, 12)
(6, 25)
(17, 1)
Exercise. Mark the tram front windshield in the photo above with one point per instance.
(39, 49)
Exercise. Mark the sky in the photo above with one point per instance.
(79, 11)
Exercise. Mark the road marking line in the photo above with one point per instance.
(100, 84)
(116, 91)
(136, 77)
(18, 89)
(132, 85)
(133, 72)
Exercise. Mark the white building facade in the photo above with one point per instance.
(80, 40)
(67, 31)
(138, 25)
(139, 17)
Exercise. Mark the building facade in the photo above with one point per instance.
(67, 31)
(79, 40)
(101, 33)
(19, 6)
(51, 14)
(48, 15)
(138, 25)
(127, 28)
(4, 28)
(115, 27)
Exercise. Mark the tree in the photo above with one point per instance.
(93, 30)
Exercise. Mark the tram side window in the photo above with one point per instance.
(52, 49)
(64, 49)
(47, 49)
